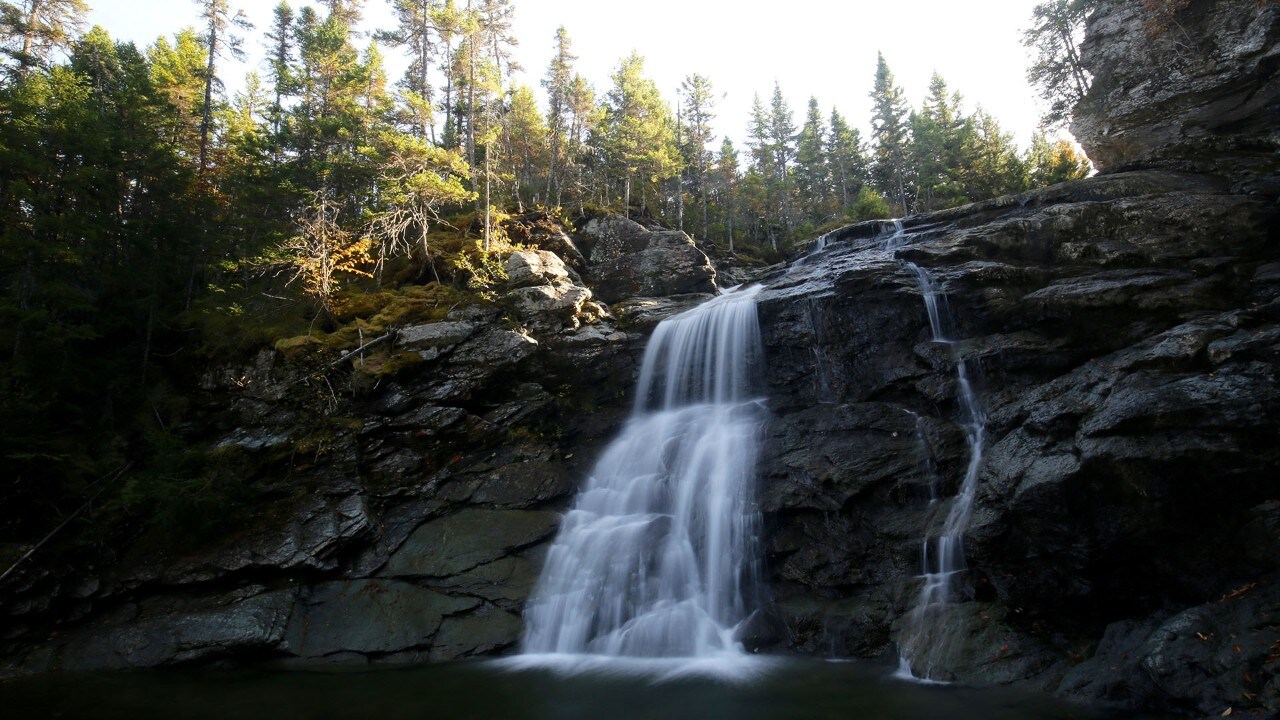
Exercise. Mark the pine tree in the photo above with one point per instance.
(698, 101)
(31, 31)
(488, 72)
(812, 176)
(416, 181)
(847, 159)
(782, 134)
(448, 21)
(178, 75)
(280, 59)
(525, 144)
(726, 186)
(990, 163)
(414, 32)
(890, 135)
(639, 142)
(218, 39)
(938, 134)
(585, 117)
(1054, 35)
(558, 84)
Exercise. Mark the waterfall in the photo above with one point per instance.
(922, 646)
(657, 557)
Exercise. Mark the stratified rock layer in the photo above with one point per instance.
(1197, 87)
(1126, 332)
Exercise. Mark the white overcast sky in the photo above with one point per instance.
(822, 48)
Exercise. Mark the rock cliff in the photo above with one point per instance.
(1125, 542)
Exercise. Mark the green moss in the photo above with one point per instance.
(295, 347)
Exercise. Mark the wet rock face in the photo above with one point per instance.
(406, 522)
(1198, 89)
(1125, 336)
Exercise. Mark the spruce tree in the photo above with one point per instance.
(218, 39)
(847, 160)
(639, 142)
(812, 176)
(890, 135)
(698, 101)
(558, 83)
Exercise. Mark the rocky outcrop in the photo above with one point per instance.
(1183, 85)
(547, 295)
(624, 260)
(1127, 333)
(401, 517)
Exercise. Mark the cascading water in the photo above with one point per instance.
(922, 645)
(657, 558)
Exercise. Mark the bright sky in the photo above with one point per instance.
(823, 48)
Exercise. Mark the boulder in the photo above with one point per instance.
(627, 260)
(1198, 90)
(527, 268)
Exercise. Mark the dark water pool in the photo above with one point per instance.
(772, 690)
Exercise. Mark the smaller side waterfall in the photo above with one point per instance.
(658, 558)
(942, 556)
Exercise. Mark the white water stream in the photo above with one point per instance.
(658, 556)
(942, 557)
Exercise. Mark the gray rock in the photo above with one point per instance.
(479, 632)
(205, 629)
(550, 307)
(460, 542)
(626, 260)
(1204, 91)
(436, 336)
(317, 529)
(368, 617)
(529, 268)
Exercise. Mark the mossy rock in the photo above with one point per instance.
(299, 346)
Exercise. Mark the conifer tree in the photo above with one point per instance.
(1054, 36)
(280, 59)
(638, 137)
(726, 183)
(782, 133)
(218, 39)
(414, 32)
(585, 117)
(31, 30)
(698, 101)
(812, 177)
(558, 84)
(991, 165)
(938, 136)
(847, 160)
(178, 75)
(890, 135)
(525, 144)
